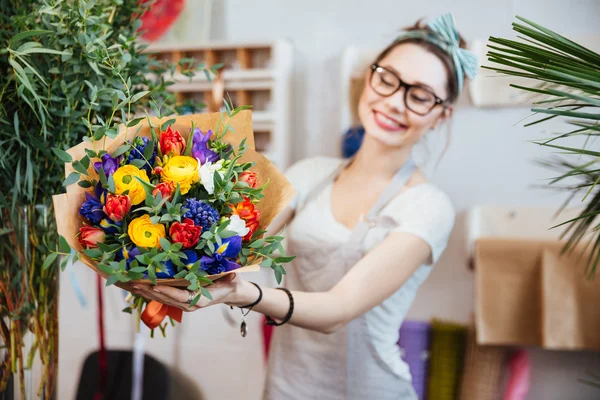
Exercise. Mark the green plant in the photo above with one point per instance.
(63, 63)
(566, 77)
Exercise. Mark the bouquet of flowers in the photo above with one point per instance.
(177, 202)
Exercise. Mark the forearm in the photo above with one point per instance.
(320, 311)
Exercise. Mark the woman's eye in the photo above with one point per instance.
(386, 82)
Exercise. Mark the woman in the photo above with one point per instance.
(366, 233)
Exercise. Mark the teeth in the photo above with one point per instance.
(388, 120)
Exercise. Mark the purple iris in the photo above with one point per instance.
(171, 269)
(109, 226)
(218, 262)
(137, 152)
(128, 254)
(91, 209)
(109, 164)
(200, 148)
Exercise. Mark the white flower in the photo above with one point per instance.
(206, 174)
(237, 225)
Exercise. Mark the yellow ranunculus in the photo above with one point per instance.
(144, 233)
(125, 180)
(182, 170)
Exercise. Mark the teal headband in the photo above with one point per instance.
(442, 33)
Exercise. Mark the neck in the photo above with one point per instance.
(377, 159)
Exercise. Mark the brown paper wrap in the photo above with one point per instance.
(278, 194)
(571, 316)
(527, 294)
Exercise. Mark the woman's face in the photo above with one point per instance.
(387, 119)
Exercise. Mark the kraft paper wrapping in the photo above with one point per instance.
(571, 316)
(278, 194)
(527, 294)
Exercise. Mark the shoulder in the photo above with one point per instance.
(422, 198)
(313, 166)
(425, 211)
(309, 172)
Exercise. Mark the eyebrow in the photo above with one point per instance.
(415, 83)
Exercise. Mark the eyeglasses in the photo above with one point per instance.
(417, 98)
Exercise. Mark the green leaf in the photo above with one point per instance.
(138, 163)
(24, 35)
(92, 253)
(62, 155)
(71, 179)
(181, 274)
(139, 95)
(63, 245)
(167, 123)
(278, 276)
(79, 167)
(49, 260)
(111, 280)
(284, 259)
(266, 263)
(149, 150)
(84, 184)
(205, 293)
(111, 184)
(211, 247)
(134, 122)
(121, 150)
(165, 244)
(257, 243)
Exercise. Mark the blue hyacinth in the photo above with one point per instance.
(201, 213)
(137, 152)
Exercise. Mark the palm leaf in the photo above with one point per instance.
(565, 76)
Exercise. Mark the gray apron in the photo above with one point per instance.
(305, 364)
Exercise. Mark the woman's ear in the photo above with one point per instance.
(444, 116)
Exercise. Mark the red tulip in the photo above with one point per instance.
(185, 233)
(171, 143)
(90, 236)
(166, 189)
(117, 206)
(250, 177)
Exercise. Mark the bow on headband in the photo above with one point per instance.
(445, 35)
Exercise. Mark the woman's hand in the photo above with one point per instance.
(222, 291)
(229, 290)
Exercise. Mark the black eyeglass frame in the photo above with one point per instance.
(406, 86)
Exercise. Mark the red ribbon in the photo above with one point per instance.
(155, 312)
(102, 354)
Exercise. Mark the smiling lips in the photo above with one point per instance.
(387, 123)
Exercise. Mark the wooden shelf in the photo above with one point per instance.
(257, 74)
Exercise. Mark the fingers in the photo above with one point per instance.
(147, 292)
(176, 294)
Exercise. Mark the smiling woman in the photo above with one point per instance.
(366, 233)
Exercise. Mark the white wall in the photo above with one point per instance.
(487, 163)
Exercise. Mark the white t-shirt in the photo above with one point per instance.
(422, 210)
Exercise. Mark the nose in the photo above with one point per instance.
(395, 102)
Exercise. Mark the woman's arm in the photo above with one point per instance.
(380, 273)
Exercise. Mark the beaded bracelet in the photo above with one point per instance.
(272, 322)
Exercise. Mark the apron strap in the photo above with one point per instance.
(319, 187)
(391, 190)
